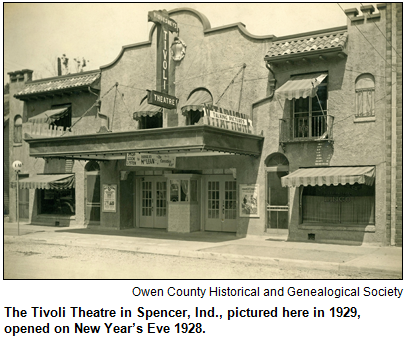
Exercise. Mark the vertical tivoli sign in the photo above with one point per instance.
(164, 26)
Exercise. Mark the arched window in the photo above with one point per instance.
(193, 108)
(365, 96)
(92, 166)
(18, 129)
(276, 159)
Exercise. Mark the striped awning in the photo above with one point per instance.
(49, 182)
(50, 116)
(330, 176)
(300, 86)
(196, 101)
(146, 109)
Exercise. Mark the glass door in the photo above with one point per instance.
(153, 203)
(221, 204)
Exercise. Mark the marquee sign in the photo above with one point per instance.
(150, 160)
(162, 99)
(227, 119)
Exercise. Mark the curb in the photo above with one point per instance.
(197, 254)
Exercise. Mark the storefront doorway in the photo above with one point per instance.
(92, 196)
(153, 202)
(277, 197)
(221, 203)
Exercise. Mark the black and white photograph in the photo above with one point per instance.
(203, 141)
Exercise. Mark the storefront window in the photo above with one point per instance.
(342, 204)
(57, 201)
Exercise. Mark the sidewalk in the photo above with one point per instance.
(222, 246)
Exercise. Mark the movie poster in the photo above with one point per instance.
(249, 201)
(109, 198)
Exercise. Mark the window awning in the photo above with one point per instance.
(300, 86)
(196, 101)
(50, 116)
(49, 181)
(146, 109)
(330, 176)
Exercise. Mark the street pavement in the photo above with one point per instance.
(267, 249)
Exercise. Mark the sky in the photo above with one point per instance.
(35, 34)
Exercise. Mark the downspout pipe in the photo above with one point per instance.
(272, 81)
(271, 94)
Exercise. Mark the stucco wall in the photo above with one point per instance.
(355, 143)
(212, 61)
(33, 166)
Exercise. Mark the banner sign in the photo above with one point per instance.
(227, 119)
(162, 99)
(109, 198)
(151, 160)
(164, 26)
(249, 201)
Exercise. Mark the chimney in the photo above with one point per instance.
(20, 76)
(59, 67)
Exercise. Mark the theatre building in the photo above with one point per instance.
(216, 129)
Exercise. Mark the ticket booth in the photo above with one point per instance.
(183, 202)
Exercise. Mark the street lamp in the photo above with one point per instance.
(17, 166)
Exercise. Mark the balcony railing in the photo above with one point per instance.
(302, 128)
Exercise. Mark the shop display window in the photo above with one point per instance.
(56, 201)
(341, 204)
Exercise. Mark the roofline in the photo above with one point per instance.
(241, 27)
(312, 33)
(206, 30)
(277, 58)
(58, 77)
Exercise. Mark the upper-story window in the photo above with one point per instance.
(18, 131)
(310, 113)
(193, 108)
(365, 96)
(148, 116)
(57, 116)
(62, 119)
(156, 121)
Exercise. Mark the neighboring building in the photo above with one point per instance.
(300, 144)
(48, 107)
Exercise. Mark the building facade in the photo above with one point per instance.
(287, 135)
